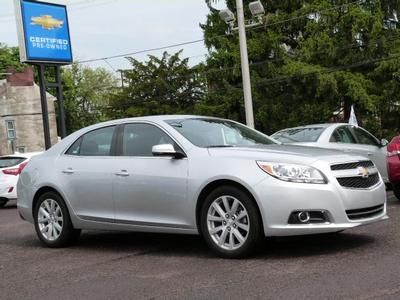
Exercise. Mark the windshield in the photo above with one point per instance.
(218, 133)
(10, 161)
(295, 135)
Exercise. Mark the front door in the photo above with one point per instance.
(149, 190)
(371, 147)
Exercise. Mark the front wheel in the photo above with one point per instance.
(230, 222)
(52, 222)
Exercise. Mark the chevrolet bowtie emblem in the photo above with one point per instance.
(363, 172)
(47, 22)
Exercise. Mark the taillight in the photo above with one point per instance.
(393, 149)
(15, 171)
(22, 166)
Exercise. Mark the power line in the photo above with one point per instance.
(223, 35)
(73, 6)
(329, 70)
(308, 14)
(141, 51)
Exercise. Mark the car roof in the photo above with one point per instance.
(322, 125)
(155, 118)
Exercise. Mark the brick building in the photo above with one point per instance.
(21, 125)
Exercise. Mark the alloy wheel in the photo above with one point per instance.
(228, 222)
(50, 219)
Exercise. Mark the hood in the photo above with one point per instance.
(285, 154)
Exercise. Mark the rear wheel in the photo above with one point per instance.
(396, 190)
(52, 221)
(3, 202)
(230, 222)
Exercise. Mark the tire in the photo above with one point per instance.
(52, 221)
(396, 190)
(231, 232)
(3, 203)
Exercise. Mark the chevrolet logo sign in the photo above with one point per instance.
(47, 22)
(363, 172)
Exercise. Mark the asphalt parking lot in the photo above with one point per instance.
(363, 263)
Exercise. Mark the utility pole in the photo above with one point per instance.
(244, 60)
(257, 11)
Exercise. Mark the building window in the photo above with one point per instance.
(11, 132)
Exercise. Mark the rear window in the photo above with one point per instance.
(296, 135)
(10, 161)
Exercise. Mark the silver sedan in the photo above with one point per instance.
(339, 136)
(195, 175)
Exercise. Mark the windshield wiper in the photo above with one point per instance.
(220, 146)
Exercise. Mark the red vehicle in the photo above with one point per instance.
(393, 161)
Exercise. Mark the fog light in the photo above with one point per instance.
(303, 216)
(309, 217)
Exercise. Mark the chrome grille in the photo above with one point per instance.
(363, 213)
(352, 165)
(359, 182)
(356, 175)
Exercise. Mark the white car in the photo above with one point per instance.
(10, 168)
(339, 136)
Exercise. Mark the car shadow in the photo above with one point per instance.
(194, 246)
(10, 205)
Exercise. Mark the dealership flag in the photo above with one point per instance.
(353, 119)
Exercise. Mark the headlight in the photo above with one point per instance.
(292, 172)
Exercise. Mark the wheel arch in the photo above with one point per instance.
(43, 190)
(224, 182)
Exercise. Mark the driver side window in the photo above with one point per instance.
(138, 139)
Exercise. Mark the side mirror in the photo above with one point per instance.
(384, 142)
(166, 150)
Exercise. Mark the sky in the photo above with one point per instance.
(103, 28)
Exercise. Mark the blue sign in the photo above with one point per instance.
(46, 32)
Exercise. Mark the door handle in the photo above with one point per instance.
(68, 171)
(370, 154)
(347, 150)
(122, 173)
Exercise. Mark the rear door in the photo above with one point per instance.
(86, 174)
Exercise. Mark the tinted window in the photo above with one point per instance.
(139, 139)
(364, 137)
(307, 134)
(342, 135)
(74, 149)
(8, 161)
(94, 143)
(218, 133)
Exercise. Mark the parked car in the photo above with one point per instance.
(339, 136)
(191, 175)
(10, 168)
(393, 162)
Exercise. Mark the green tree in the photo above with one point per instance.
(310, 60)
(165, 85)
(86, 95)
(9, 59)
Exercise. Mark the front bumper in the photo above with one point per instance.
(278, 200)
